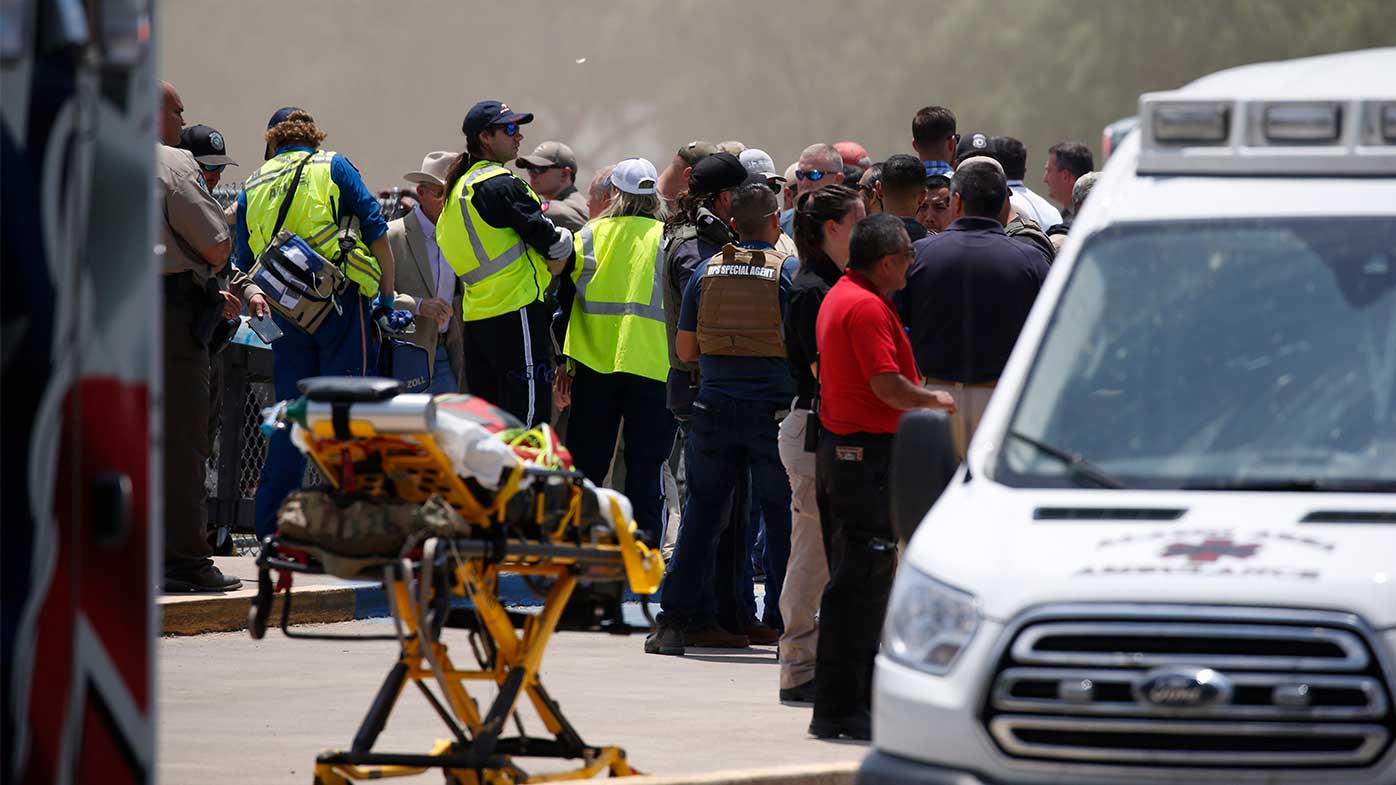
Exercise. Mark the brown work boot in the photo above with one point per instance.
(760, 635)
(714, 637)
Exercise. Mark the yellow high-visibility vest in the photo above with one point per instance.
(617, 321)
(500, 271)
(311, 214)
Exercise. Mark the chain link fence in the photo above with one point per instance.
(239, 448)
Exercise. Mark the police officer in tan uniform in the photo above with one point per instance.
(197, 244)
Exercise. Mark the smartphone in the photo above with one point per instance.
(265, 328)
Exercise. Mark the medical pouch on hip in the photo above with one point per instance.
(617, 320)
(500, 271)
(305, 266)
(739, 311)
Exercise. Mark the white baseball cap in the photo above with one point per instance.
(635, 176)
(759, 162)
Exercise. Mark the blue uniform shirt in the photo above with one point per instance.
(764, 379)
(353, 196)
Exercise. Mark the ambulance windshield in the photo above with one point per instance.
(1257, 354)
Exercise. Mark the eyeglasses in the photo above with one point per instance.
(813, 176)
(541, 169)
(508, 128)
(213, 167)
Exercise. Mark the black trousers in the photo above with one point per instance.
(508, 362)
(851, 474)
(600, 402)
(185, 420)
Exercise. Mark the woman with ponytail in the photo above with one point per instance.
(824, 220)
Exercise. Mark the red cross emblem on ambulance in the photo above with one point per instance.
(1212, 549)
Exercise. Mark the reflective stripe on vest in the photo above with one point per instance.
(488, 265)
(617, 321)
(500, 271)
(311, 215)
(654, 309)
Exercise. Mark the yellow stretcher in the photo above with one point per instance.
(542, 523)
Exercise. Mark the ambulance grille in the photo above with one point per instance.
(1191, 688)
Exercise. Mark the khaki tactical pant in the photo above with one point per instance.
(807, 572)
(970, 402)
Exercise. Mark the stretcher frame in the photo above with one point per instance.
(412, 467)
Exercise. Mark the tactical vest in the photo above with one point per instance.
(617, 321)
(500, 271)
(710, 229)
(314, 213)
(739, 310)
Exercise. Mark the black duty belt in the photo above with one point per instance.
(182, 288)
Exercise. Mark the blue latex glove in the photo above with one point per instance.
(382, 303)
(391, 321)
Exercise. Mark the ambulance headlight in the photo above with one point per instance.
(928, 623)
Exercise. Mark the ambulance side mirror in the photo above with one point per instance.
(923, 463)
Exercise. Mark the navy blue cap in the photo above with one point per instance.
(283, 113)
(487, 113)
(974, 144)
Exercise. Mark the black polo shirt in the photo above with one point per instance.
(967, 295)
(811, 284)
(914, 229)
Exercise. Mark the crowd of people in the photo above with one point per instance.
(730, 344)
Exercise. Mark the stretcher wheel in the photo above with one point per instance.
(260, 611)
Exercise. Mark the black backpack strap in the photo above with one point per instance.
(290, 195)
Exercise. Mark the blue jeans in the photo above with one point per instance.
(345, 345)
(725, 442)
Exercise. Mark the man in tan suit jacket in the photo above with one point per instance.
(426, 284)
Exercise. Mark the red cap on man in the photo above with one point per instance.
(853, 154)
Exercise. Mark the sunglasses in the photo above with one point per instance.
(508, 128)
(813, 177)
(213, 167)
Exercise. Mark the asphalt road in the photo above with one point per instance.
(235, 710)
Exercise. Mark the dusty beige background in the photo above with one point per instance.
(391, 80)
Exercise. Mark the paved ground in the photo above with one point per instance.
(234, 710)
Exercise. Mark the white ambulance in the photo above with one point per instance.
(1170, 556)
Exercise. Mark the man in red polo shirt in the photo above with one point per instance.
(868, 377)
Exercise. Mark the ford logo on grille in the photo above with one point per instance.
(1182, 688)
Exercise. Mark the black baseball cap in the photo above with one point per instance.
(206, 144)
(284, 112)
(490, 113)
(974, 144)
(716, 173)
